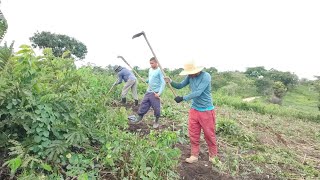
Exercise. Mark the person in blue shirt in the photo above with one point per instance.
(152, 97)
(201, 114)
(131, 83)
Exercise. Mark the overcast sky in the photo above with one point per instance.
(227, 35)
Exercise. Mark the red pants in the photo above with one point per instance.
(202, 120)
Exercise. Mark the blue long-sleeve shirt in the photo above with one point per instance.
(124, 74)
(200, 91)
(156, 81)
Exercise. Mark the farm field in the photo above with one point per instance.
(58, 122)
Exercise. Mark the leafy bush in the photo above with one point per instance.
(227, 127)
(232, 83)
(56, 118)
(279, 89)
(264, 86)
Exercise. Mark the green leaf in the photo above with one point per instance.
(38, 129)
(52, 118)
(46, 167)
(46, 143)
(46, 133)
(73, 115)
(151, 175)
(14, 102)
(14, 164)
(37, 139)
(44, 114)
(40, 106)
(83, 176)
(57, 114)
(9, 106)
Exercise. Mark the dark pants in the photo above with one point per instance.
(149, 100)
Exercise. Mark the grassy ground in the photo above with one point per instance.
(277, 147)
(258, 146)
(303, 98)
(253, 145)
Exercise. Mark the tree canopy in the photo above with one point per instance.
(59, 44)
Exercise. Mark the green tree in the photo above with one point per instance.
(255, 71)
(287, 78)
(59, 44)
(175, 72)
(230, 89)
(211, 70)
(264, 86)
(241, 85)
(279, 89)
(5, 54)
(3, 25)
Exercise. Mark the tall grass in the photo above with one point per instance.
(263, 108)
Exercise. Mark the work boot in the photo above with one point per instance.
(136, 102)
(156, 123)
(123, 100)
(139, 118)
(192, 159)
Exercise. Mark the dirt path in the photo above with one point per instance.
(201, 170)
(249, 99)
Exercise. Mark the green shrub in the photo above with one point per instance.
(57, 116)
(227, 127)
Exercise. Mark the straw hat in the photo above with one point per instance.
(191, 68)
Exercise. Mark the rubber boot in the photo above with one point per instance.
(123, 100)
(139, 118)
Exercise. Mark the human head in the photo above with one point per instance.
(153, 63)
(117, 68)
(191, 69)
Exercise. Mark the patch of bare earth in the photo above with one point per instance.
(4, 171)
(201, 170)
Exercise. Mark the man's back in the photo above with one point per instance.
(125, 74)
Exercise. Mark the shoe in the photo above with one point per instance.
(123, 100)
(192, 159)
(155, 125)
(132, 118)
(136, 102)
(212, 159)
(139, 118)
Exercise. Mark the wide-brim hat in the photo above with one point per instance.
(191, 68)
